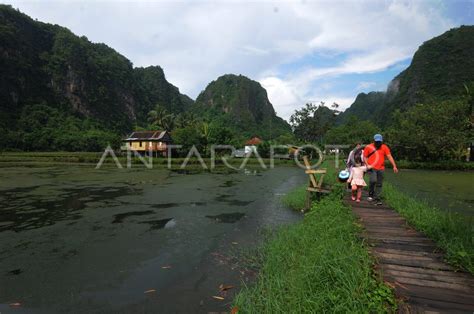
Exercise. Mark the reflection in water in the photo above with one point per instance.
(24, 210)
(227, 218)
(225, 199)
(15, 271)
(228, 184)
(170, 205)
(99, 266)
(119, 218)
(160, 223)
(165, 205)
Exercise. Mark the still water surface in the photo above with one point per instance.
(75, 239)
(447, 190)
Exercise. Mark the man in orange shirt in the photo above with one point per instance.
(374, 155)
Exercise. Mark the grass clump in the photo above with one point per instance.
(317, 265)
(453, 232)
(295, 198)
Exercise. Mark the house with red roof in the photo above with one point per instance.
(251, 145)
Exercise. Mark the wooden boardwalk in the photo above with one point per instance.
(412, 264)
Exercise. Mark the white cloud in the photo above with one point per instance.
(283, 96)
(195, 42)
(288, 99)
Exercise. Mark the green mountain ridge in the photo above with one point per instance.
(61, 91)
(50, 75)
(242, 104)
(440, 70)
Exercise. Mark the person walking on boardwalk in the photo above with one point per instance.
(356, 180)
(374, 156)
(355, 156)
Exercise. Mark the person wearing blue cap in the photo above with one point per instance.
(374, 156)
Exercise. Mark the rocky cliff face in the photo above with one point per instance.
(238, 96)
(153, 88)
(365, 106)
(241, 103)
(48, 64)
(440, 70)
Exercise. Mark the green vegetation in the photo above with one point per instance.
(440, 165)
(189, 130)
(45, 128)
(61, 92)
(242, 105)
(439, 70)
(431, 132)
(317, 265)
(295, 198)
(453, 232)
(93, 96)
(311, 122)
(353, 131)
(80, 95)
(426, 114)
(365, 107)
(91, 159)
(153, 89)
(438, 132)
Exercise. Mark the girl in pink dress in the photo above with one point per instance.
(356, 180)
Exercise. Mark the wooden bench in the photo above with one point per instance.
(315, 184)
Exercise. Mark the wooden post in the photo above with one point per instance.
(307, 203)
(315, 185)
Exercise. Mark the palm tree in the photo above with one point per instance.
(206, 131)
(157, 115)
(181, 120)
(168, 122)
(191, 118)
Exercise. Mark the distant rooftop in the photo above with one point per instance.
(146, 136)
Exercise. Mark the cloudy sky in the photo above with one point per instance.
(300, 51)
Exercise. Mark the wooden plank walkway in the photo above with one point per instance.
(412, 263)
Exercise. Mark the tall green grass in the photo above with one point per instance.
(318, 265)
(295, 199)
(453, 232)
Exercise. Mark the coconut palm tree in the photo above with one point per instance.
(168, 122)
(206, 131)
(156, 116)
(181, 120)
(191, 118)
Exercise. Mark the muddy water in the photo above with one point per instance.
(75, 239)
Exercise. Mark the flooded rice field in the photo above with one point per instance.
(78, 240)
(447, 190)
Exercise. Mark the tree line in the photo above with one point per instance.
(434, 131)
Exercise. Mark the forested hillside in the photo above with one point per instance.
(426, 114)
(242, 104)
(61, 91)
(441, 70)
